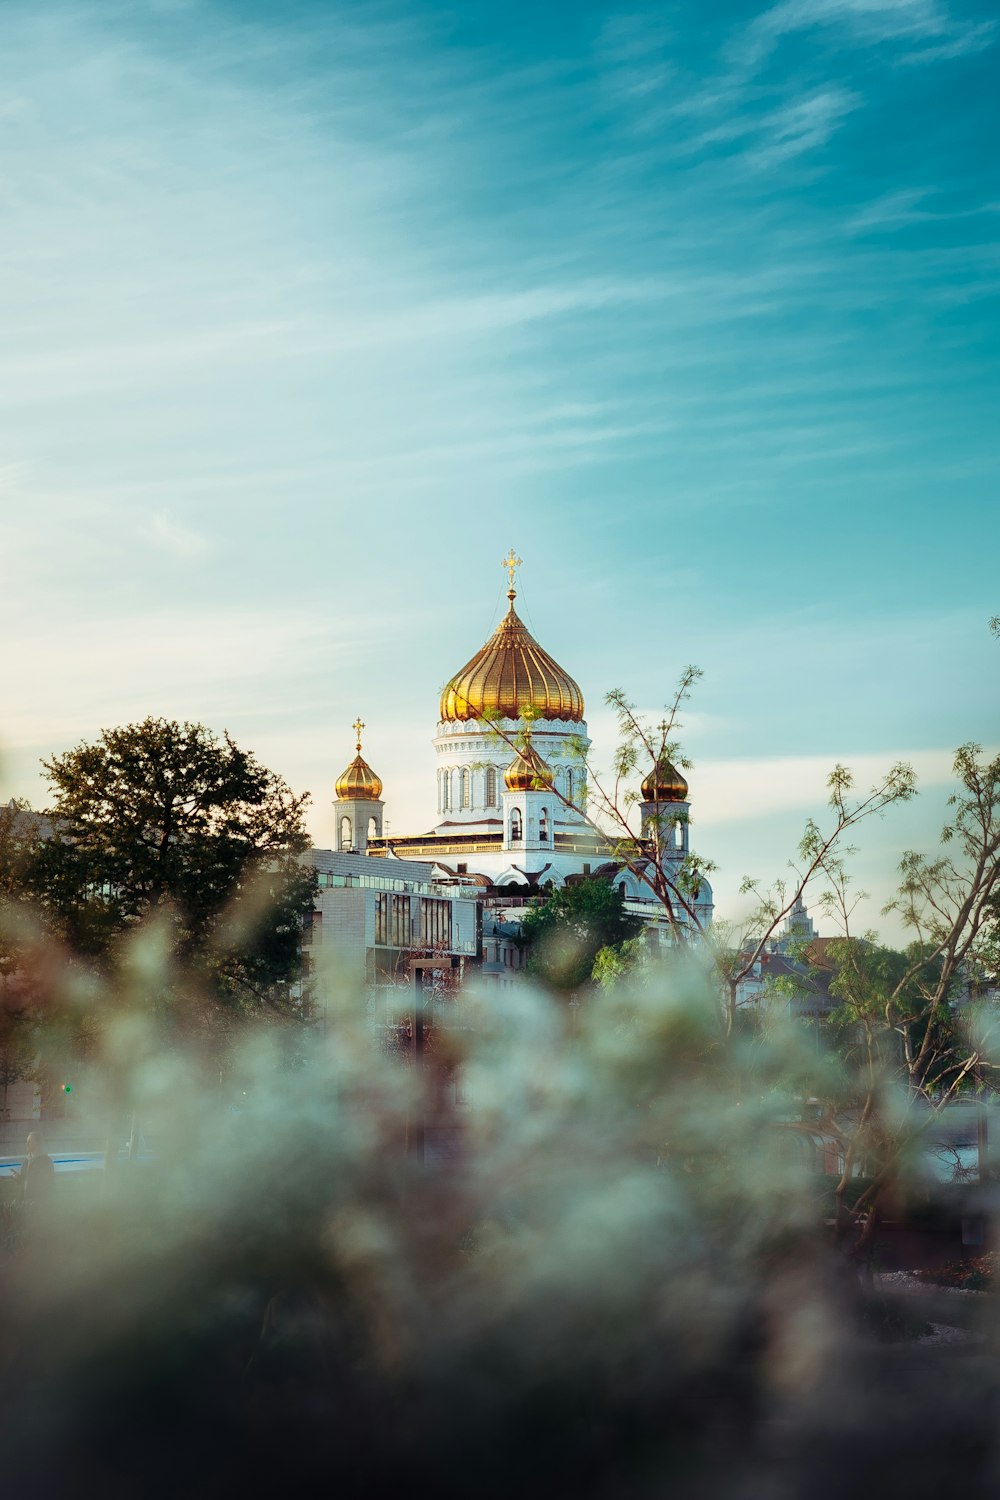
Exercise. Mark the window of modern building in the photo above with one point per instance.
(392, 921)
(401, 934)
(435, 923)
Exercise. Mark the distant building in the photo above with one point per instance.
(794, 972)
(375, 919)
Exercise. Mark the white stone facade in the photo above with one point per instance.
(358, 820)
(472, 759)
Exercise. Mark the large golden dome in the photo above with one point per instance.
(664, 784)
(511, 677)
(527, 772)
(358, 783)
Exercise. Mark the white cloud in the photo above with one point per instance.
(730, 791)
(179, 540)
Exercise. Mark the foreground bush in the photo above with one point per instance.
(603, 1276)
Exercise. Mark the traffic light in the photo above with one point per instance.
(65, 1088)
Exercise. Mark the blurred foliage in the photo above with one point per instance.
(604, 1275)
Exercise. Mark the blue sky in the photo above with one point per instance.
(311, 311)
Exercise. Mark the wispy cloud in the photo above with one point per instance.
(179, 540)
(801, 125)
(913, 205)
(744, 97)
(867, 23)
(974, 38)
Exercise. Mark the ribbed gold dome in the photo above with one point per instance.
(526, 770)
(359, 782)
(664, 784)
(510, 675)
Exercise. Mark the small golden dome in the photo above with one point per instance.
(509, 677)
(358, 783)
(664, 784)
(526, 770)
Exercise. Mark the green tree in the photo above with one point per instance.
(574, 925)
(17, 844)
(166, 817)
(18, 1048)
(625, 960)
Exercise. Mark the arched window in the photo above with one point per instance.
(373, 828)
(623, 890)
(491, 786)
(543, 826)
(515, 826)
(466, 785)
(346, 835)
(679, 834)
(569, 786)
(445, 790)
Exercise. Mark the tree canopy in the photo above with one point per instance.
(570, 929)
(163, 815)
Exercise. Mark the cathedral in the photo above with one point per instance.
(511, 785)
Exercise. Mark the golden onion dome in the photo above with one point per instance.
(511, 677)
(358, 783)
(664, 784)
(526, 770)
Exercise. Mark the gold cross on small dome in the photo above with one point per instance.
(357, 726)
(512, 562)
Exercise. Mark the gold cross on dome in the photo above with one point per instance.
(512, 562)
(357, 726)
